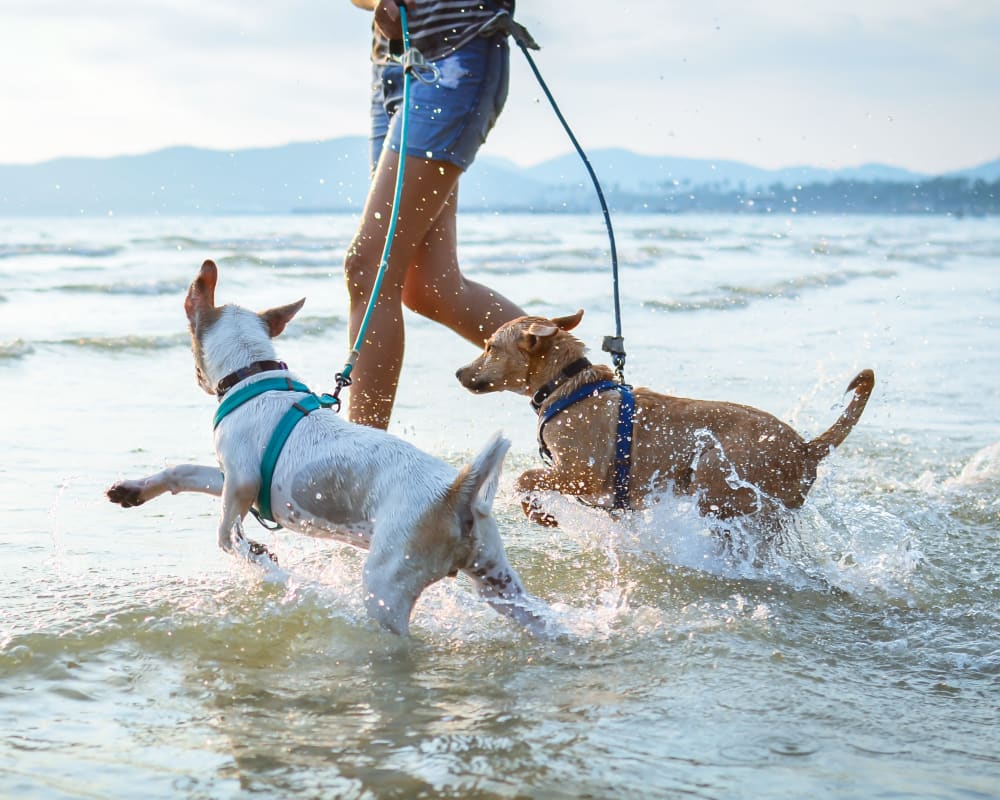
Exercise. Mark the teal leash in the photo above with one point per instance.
(413, 62)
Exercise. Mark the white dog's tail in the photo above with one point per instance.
(482, 477)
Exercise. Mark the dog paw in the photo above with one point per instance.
(544, 519)
(258, 551)
(533, 511)
(126, 494)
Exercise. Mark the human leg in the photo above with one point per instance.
(426, 188)
(450, 119)
(435, 287)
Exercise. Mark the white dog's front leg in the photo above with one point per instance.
(181, 478)
(236, 501)
(501, 587)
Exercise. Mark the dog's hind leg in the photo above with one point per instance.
(181, 478)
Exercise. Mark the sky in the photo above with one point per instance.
(910, 83)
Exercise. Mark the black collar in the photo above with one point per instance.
(570, 370)
(256, 367)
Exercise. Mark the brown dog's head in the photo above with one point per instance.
(522, 353)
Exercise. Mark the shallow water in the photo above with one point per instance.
(858, 658)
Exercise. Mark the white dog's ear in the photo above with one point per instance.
(277, 318)
(570, 322)
(200, 298)
(476, 485)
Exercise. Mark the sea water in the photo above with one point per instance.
(860, 658)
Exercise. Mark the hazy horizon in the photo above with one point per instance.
(569, 151)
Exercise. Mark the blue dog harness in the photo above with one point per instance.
(623, 438)
(299, 410)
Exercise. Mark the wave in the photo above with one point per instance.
(304, 327)
(140, 288)
(728, 296)
(58, 249)
(238, 243)
(16, 349)
(679, 234)
(240, 258)
(126, 342)
(973, 495)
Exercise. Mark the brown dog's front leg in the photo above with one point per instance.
(528, 485)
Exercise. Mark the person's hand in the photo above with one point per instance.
(387, 17)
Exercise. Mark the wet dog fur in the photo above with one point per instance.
(419, 518)
(735, 459)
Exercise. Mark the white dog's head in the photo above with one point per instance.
(227, 338)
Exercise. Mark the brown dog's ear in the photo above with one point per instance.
(570, 322)
(541, 329)
(536, 336)
(277, 318)
(201, 293)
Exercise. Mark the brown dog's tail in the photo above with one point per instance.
(862, 386)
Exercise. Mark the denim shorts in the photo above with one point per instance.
(450, 118)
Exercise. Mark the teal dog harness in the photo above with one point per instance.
(299, 410)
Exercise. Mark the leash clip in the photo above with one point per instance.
(616, 346)
(333, 400)
(415, 64)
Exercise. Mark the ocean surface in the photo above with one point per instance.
(859, 659)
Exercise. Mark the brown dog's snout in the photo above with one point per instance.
(469, 377)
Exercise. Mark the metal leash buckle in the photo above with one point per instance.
(333, 400)
(415, 64)
(616, 346)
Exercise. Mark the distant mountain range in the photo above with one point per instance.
(333, 176)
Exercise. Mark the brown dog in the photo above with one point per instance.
(735, 459)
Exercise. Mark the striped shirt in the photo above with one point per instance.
(440, 27)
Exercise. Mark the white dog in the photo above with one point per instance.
(419, 518)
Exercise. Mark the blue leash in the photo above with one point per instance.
(615, 345)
